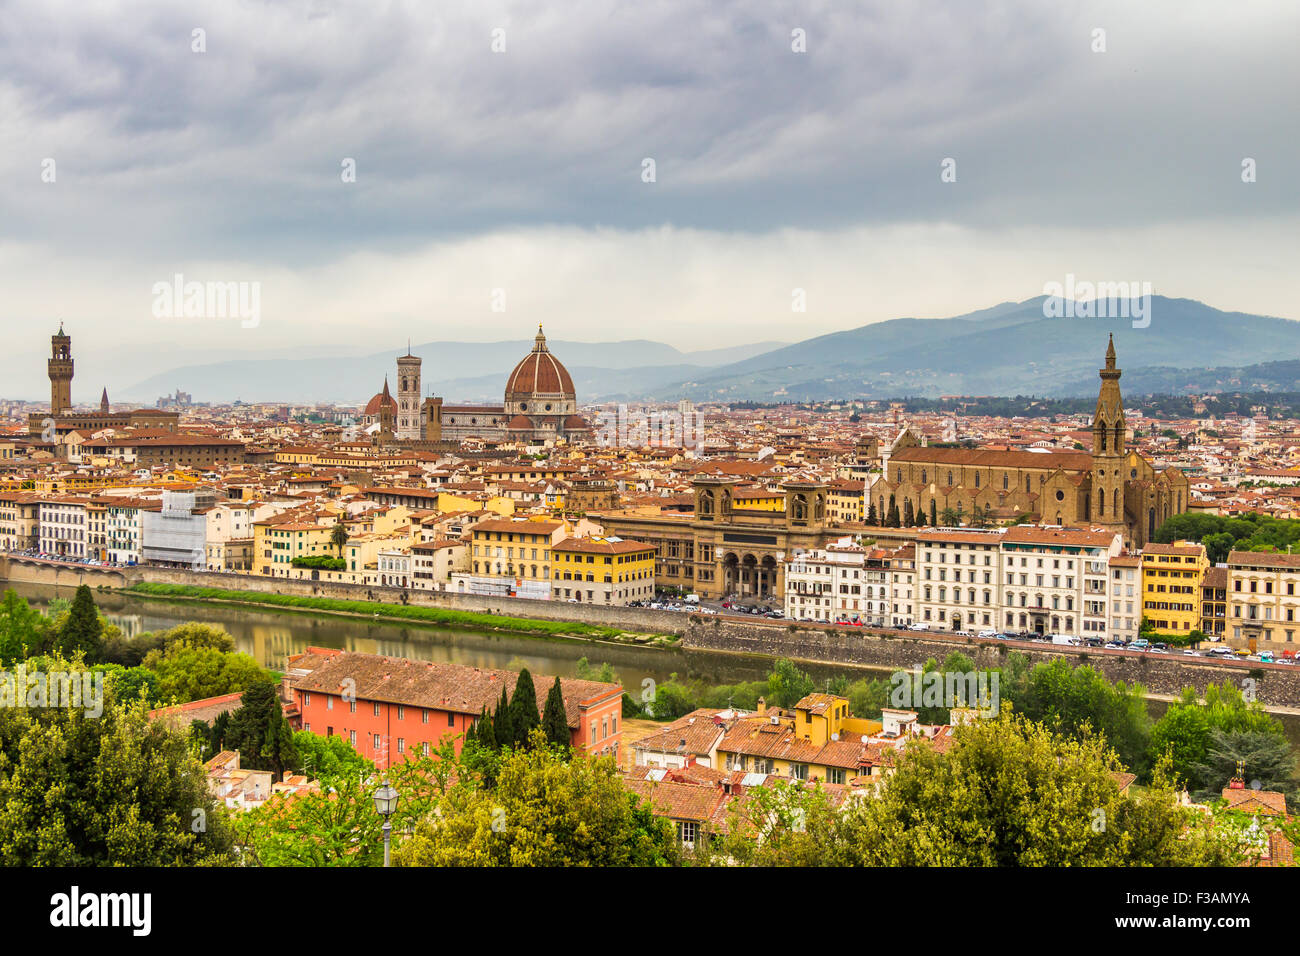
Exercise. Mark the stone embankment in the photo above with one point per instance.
(1276, 685)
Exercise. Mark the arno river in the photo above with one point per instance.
(271, 635)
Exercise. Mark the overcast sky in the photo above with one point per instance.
(523, 170)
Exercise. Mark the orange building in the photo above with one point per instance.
(389, 707)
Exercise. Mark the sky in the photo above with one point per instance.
(866, 160)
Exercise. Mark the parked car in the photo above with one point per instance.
(987, 634)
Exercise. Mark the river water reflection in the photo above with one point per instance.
(271, 635)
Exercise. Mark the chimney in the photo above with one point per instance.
(762, 705)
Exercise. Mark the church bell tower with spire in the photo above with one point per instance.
(1108, 449)
(409, 426)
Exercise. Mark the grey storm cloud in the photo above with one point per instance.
(242, 145)
(522, 169)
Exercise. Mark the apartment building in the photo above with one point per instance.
(1054, 579)
(434, 562)
(957, 580)
(19, 520)
(827, 584)
(901, 567)
(1214, 602)
(512, 557)
(1171, 585)
(62, 526)
(1125, 597)
(1263, 603)
(596, 570)
(124, 518)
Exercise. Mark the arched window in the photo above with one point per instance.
(1114, 497)
(923, 478)
(1102, 434)
(1005, 484)
(977, 479)
(1101, 503)
(950, 477)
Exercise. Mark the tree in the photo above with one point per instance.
(327, 758)
(555, 722)
(484, 733)
(187, 673)
(339, 535)
(1188, 725)
(523, 709)
(502, 728)
(83, 631)
(788, 685)
(1266, 758)
(260, 733)
(1010, 793)
(545, 810)
(21, 629)
(1077, 701)
(872, 517)
(909, 516)
(338, 826)
(110, 790)
(934, 519)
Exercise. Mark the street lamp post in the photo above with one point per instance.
(385, 804)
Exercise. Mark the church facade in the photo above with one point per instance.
(1112, 487)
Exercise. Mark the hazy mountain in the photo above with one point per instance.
(1010, 349)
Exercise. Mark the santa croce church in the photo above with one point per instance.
(1111, 487)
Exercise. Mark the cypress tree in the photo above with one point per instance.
(871, 514)
(555, 722)
(484, 733)
(909, 516)
(502, 726)
(934, 515)
(81, 632)
(523, 709)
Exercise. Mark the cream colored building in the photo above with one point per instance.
(1263, 601)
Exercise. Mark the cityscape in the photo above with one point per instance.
(487, 511)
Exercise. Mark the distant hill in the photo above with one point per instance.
(1008, 349)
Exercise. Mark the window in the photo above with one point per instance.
(835, 775)
(451, 720)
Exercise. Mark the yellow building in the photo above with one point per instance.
(599, 570)
(276, 543)
(512, 557)
(1171, 586)
(820, 742)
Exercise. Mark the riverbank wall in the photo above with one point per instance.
(1273, 685)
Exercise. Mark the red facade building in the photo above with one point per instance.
(389, 707)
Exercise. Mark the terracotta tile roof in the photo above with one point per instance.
(442, 686)
(1267, 802)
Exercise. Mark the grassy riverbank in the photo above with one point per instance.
(442, 617)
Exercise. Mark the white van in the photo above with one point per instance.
(1064, 639)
